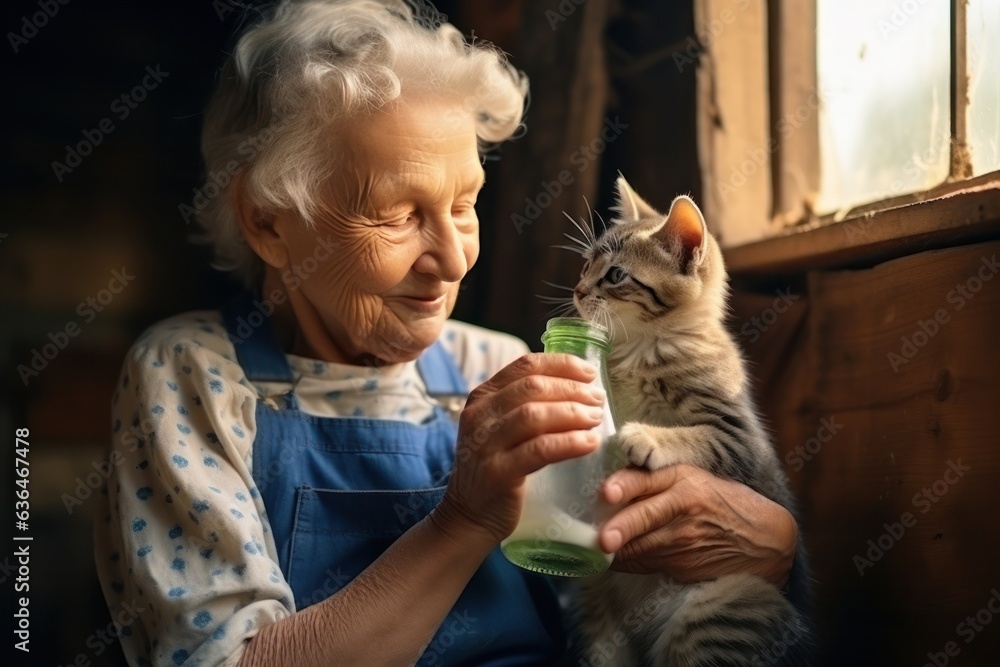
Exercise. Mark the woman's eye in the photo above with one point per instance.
(402, 220)
(615, 275)
(463, 208)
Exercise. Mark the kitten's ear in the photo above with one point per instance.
(683, 232)
(633, 208)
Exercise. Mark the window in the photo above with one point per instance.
(883, 78)
(983, 43)
(864, 104)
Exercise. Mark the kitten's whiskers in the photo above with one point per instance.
(571, 248)
(582, 244)
(604, 225)
(594, 236)
(564, 307)
(624, 328)
(588, 235)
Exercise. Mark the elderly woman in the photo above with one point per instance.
(297, 478)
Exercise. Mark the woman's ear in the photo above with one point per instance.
(258, 226)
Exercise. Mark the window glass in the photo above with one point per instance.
(884, 81)
(983, 25)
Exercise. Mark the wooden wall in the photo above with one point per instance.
(607, 94)
(881, 388)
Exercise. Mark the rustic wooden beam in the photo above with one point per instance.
(876, 383)
(795, 109)
(961, 156)
(969, 212)
(734, 137)
(553, 168)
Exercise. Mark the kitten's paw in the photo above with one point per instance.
(641, 448)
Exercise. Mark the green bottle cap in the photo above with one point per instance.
(575, 335)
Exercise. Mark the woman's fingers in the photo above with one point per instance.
(628, 484)
(554, 365)
(529, 456)
(534, 388)
(519, 407)
(538, 410)
(647, 508)
(638, 519)
(531, 420)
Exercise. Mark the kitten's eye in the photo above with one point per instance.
(615, 275)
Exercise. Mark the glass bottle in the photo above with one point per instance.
(563, 508)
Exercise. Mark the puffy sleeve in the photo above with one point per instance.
(184, 554)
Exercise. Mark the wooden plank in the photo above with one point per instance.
(734, 142)
(901, 427)
(766, 325)
(961, 157)
(652, 62)
(973, 213)
(548, 170)
(795, 104)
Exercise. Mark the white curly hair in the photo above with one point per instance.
(315, 64)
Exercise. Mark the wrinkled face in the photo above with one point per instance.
(398, 216)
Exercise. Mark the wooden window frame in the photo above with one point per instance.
(756, 81)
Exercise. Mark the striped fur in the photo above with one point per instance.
(658, 282)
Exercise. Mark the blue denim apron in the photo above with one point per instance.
(339, 491)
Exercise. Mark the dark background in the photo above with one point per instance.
(597, 61)
(66, 233)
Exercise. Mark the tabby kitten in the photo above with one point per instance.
(659, 284)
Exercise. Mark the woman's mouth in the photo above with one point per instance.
(425, 303)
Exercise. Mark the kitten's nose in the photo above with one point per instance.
(579, 293)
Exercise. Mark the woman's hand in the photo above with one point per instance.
(693, 526)
(536, 411)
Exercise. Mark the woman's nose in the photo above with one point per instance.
(445, 254)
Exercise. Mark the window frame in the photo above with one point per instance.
(770, 219)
